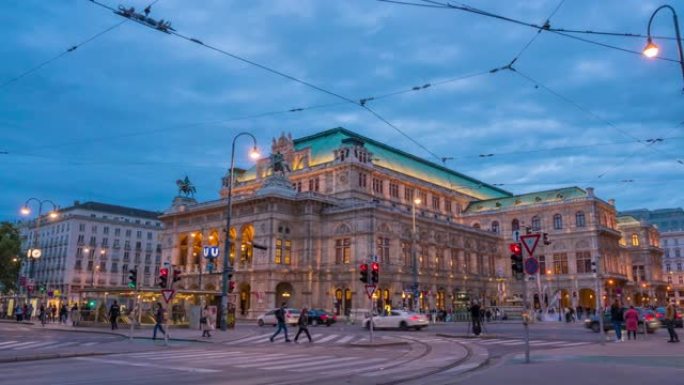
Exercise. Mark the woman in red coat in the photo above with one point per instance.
(631, 322)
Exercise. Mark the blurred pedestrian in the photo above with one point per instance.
(114, 312)
(42, 314)
(670, 319)
(616, 317)
(205, 323)
(280, 317)
(475, 314)
(303, 324)
(158, 321)
(632, 322)
(19, 313)
(63, 313)
(75, 315)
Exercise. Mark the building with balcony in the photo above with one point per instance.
(91, 245)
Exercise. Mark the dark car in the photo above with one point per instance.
(321, 317)
(660, 313)
(645, 316)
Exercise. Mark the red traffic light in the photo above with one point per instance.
(515, 248)
(164, 272)
(375, 266)
(363, 267)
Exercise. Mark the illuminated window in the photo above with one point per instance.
(635, 240)
(343, 250)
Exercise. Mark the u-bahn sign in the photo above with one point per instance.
(210, 251)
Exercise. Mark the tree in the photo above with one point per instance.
(10, 246)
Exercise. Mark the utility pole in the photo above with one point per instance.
(599, 307)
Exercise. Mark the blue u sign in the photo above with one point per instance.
(210, 251)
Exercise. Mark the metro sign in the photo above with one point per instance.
(210, 251)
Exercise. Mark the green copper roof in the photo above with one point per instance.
(323, 143)
(549, 196)
(628, 220)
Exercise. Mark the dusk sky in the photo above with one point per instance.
(123, 116)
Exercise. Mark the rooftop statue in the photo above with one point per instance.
(278, 164)
(185, 187)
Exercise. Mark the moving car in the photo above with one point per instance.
(646, 317)
(660, 313)
(397, 319)
(321, 317)
(269, 318)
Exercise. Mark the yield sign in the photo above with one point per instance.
(370, 289)
(168, 294)
(530, 242)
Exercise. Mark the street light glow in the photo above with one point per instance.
(254, 154)
(25, 210)
(651, 50)
(417, 201)
(53, 214)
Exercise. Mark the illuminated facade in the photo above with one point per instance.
(349, 198)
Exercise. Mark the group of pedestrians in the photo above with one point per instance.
(302, 323)
(631, 320)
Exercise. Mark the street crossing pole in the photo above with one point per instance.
(599, 300)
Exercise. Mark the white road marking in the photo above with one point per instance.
(328, 338)
(345, 339)
(147, 365)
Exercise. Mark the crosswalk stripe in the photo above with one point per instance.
(147, 364)
(246, 339)
(545, 343)
(265, 362)
(512, 343)
(256, 360)
(7, 343)
(65, 344)
(144, 354)
(312, 361)
(195, 355)
(21, 344)
(577, 343)
(338, 364)
(345, 339)
(328, 338)
(494, 341)
(34, 345)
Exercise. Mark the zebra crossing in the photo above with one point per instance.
(215, 361)
(520, 342)
(20, 345)
(318, 338)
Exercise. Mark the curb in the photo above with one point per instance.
(377, 344)
(51, 356)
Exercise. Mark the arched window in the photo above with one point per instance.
(246, 248)
(580, 221)
(557, 222)
(635, 239)
(495, 227)
(476, 225)
(536, 223)
(515, 225)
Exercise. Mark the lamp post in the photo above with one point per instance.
(227, 268)
(414, 256)
(651, 49)
(34, 251)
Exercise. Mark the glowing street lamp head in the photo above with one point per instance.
(651, 49)
(25, 210)
(53, 214)
(417, 201)
(254, 153)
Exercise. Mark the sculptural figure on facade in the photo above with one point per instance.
(185, 187)
(278, 164)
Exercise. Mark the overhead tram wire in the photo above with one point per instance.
(361, 103)
(558, 31)
(57, 57)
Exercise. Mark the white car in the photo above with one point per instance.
(269, 318)
(398, 319)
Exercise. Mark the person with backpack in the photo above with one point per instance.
(280, 317)
(303, 324)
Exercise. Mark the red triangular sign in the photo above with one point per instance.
(167, 294)
(530, 242)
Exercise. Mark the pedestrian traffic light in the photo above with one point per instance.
(163, 277)
(363, 270)
(593, 266)
(231, 286)
(516, 260)
(133, 278)
(375, 272)
(176, 275)
(546, 239)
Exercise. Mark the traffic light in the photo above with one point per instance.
(593, 266)
(231, 286)
(363, 269)
(133, 278)
(163, 277)
(516, 259)
(375, 272)
(176, 275)
(546, 239)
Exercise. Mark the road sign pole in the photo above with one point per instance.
(529, 242)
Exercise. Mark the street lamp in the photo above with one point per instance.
(34, 251)
(414, 257)
(227, 268)
(651, 50)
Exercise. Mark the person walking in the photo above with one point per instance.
(114, 312)
(616, 318)
(670, 318)
(42, 315)
(75, 315)
(303, 324)
(632, 322)
(280, 316)
(158, 321)
(475, 318)
(19, 313)
(205, 322)
(63, 312)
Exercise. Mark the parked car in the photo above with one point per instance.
(321, 317)
(646, 317)
(660, 313)
(397, 319)
(269, 318)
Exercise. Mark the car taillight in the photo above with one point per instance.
(324, 317)
(414, 318)
(649, 317)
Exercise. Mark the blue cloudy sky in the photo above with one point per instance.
(122, 117)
